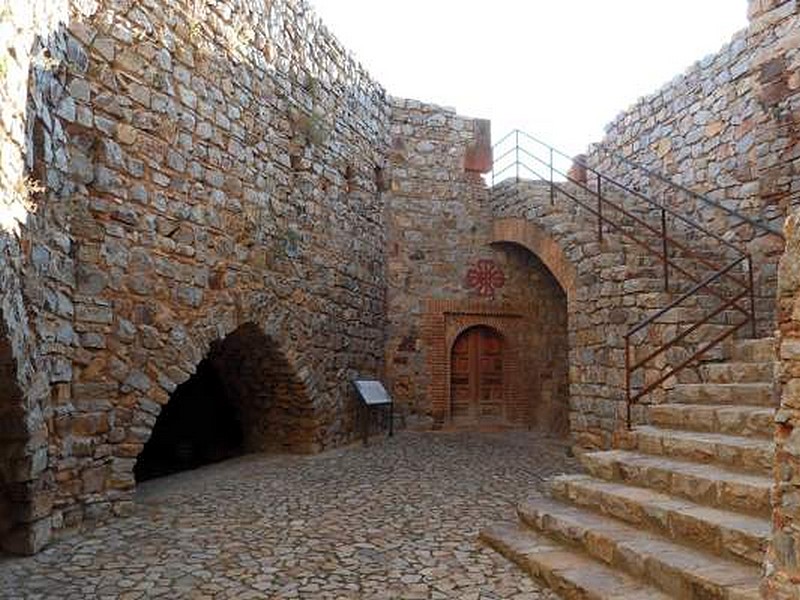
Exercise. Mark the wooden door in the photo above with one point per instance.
(476, 377)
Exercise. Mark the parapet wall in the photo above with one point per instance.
(699, 130)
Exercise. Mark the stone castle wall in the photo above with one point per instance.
(212, 181)
(221, 179)
(728, 127)
(439, 226)
(711, 131)
(614, 285)
(207, 167)
(775, 25)
(35, 263)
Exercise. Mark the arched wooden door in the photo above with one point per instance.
(476, 377)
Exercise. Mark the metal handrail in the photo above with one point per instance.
(701, 285)
(661, 254)
(760, 224)
(626, 188)
(522, 160)
(519, 150)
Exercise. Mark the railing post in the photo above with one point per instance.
(552, 189)
(516, 151)
(599, 209)
(752, 295)
(628, 381)
(665, 248)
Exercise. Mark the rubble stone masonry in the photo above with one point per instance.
(776, 25)
(215, 180)
(208, 166)
(441, 225)
(723, 128)
(29, 298)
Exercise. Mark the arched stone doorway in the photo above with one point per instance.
(243, 397)
(477, 381)
(199, 425)
(12, 440)
(549, 347)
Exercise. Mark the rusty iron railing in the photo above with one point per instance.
(644, 221)
(651, 175)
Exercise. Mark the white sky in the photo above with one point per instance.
(559, 69)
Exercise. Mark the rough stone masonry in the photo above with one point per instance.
(208, 168)
(206, 179)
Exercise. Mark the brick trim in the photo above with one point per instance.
(529, 235)
(443, 322)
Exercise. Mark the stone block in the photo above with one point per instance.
(28, 538)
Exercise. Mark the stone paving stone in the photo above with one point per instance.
(398, 519)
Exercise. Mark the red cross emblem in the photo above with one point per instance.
(485, 277)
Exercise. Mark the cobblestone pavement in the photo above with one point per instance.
(395, 520)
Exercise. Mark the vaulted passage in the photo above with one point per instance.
(543, 342)
(505, 361)
(244, 397)
(199, 425)
(12, 437)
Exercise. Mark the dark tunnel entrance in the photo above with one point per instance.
(244, 397)
(198, 426)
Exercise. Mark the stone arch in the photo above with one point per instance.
(13, 437)
(521, 231)
(244, 379)
(550, 253)
(26, 481)
(10, 407)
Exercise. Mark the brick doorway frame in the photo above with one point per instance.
(443, 322)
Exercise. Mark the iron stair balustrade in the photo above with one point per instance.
(520, 154)
(650, 173)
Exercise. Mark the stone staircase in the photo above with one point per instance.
(681, 509)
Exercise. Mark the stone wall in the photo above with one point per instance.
(207, 166)
(192, 179)
(711, 131)
(612, 284)
(35, 266)
(783, 574)
(775, 27)
(596, 276)
(440, 226)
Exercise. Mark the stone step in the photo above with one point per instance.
(752, 421)
(737, 372)
(676, 569)
(753, 455)
(759, 350)
(706, 484)
(750, 394)
(571, 574)
(725, 533)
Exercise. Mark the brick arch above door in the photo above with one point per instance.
(444, 322)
